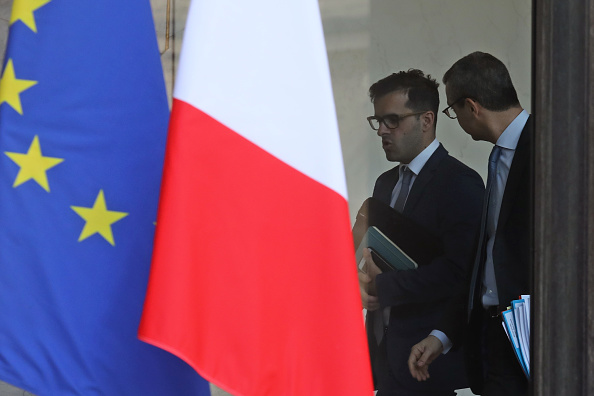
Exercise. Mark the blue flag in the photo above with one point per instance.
(83, 124)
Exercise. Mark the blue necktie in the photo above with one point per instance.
(479, 259)
(404, 187)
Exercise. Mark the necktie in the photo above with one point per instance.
(404, 187)
(479, 259)
(382, 317)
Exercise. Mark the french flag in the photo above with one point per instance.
(253, 280)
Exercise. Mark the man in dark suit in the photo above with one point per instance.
(481, 96)
(438, 193)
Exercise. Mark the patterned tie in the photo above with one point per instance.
(479, 261)
(404, 187)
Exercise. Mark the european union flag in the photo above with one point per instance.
(83, 123)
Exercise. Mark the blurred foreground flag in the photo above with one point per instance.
(254, 281)
(83, 123)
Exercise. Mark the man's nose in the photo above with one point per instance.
(382, 130)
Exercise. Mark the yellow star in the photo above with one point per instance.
(33, 165)
(98, 219)
(11, 87)
(23, 10)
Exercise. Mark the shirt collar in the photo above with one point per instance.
(510, 136)
(420, 160)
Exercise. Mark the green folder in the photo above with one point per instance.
(385, 253)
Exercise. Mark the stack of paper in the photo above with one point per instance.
(516, 322)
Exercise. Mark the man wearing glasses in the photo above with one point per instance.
(482, 98)
(440, 194)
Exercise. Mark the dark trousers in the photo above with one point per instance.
(389, 385)
(504, 375)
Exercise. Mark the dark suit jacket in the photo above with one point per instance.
(446, 198)
(511, 258)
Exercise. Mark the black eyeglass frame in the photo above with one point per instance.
(398, 117)
(446, 111)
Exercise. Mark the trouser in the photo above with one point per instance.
(503, 374)
(389, 385)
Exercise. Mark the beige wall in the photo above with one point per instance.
(369, 39)
(5, 6)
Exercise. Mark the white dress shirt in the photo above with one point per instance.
(416, 165)
(508, 141)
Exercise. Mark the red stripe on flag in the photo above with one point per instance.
(254, 281)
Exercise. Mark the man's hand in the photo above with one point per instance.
(421, 355)
(367, 282)
(370, 267)
(370, 302)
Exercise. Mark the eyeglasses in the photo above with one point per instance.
(391, 121)
(446, 111)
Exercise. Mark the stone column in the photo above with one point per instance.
(563, 95)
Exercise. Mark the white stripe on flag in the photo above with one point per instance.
(266, 91)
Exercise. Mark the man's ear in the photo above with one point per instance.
(474, 107)
(428, 120)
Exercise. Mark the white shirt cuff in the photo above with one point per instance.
(445, 341)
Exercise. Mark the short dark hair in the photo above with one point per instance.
(484, 78)
(421, 90)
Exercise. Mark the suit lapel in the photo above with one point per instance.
(384, 190)
(519, 165)
(424, 178)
